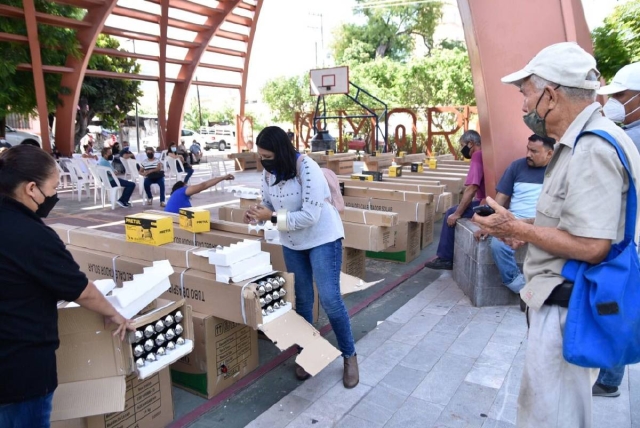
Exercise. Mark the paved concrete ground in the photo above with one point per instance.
(436, 362)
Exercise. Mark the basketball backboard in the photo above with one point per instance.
(329, 81)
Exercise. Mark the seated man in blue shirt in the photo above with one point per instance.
(518, 190)
(181, 193)
(129, 186)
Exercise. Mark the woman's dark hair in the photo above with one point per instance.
(275, 140)
(104, 151)
(31, 143)
(171, 144)
(177, 186)
(23, 164)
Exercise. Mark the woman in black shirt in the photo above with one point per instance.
(36, 271)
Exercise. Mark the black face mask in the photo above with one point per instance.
(150, 155)
(47, 205)
(268, 164)
(466, 152)
(110, 157)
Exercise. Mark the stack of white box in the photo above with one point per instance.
(240, 261)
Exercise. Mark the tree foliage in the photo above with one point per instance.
(617, 42)
(286, 96)
(388, 31)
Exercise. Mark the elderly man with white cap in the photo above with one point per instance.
(622, 107)
(580, 213)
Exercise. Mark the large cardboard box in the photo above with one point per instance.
(353, 262)
(393, 195)
(195, 220)
(367, 237)
(147, 404)
(224, 353)
(149, 229)
(406, 247)
(407, 211)
(427, 227)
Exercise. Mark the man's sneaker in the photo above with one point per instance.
(150, 202)
(162, 204)
(439, 264)
(122, 204)
(600, 390)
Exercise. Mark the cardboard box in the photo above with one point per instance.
(340, 166)
(406, 247)
(224, 353)
(353, 262)
(232, 213)
(393, 195)
(407, 211)
(416, 167)
(368, 237)
(399, 185)
(150, 229)
(147, 404)
(374, 218)
(246, 203)
(361, 177)
(377, 175)
(194, 220)
(395, 171)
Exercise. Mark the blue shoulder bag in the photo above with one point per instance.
(603, 320)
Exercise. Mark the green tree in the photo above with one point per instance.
(108, 99)
(287, 95)
(225, 114)
(17, 91)
(388, 31)
(191, 118)
(617, 42)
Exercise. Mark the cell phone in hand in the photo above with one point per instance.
(483, 210)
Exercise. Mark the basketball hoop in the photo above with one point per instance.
(329, 81)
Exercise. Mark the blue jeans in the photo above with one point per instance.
(147, 187)
(448, 234)
(611, 377)
(33, 413)
(188, 171)
(129, 187)
(322, 263)
(505, 258)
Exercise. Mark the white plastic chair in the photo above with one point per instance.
(171, 169)
(216, 168)
(139, 179)
(105, 174)
(97, 182)
(65, 177)
(79, 180)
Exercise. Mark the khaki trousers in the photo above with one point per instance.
(553, 392)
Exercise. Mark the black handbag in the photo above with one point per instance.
(155, 175)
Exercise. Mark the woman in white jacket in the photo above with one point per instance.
(311, 234)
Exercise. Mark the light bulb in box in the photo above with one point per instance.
(179, 341)
(160, 351)
(178, 329)
(262, 302)
(178, 316)
(160, 339)
(268, 287)
(264, 312)
(261, 290)
(159, 326)
(138, 350)
(281, 280)
(282, 292)
(149, 345)
(275, 295)
(274, 283)
(171, 346)
(269, 309)
(151, 357)
(170, 334)
(268, 299)
(282, 303)
(149, 331)
(140, 362)
(276, 306)
(168, 321)
(138, 336)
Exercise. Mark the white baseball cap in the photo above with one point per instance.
(626, 79)
(566, 64)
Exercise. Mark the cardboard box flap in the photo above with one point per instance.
(88, 398)
(291, 329)
(351, 284)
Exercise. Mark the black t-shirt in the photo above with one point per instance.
(36, 271)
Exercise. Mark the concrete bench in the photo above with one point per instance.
(475, 271)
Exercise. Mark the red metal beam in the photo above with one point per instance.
(46, 68)
(187, 72)
(225, 51)
(245, 73)
(247, 6)
(66, 114)
(43, 18)
(232, 35)
(155, 19)
(240, 20)
(16, 38)
(221, 67)
(215, 85)
(83, 4)
(162, 82)
(38, 75)
(192, 7)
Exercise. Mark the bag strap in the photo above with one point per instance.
(632, 200)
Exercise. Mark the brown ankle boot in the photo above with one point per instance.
(301, 374)
(351, 375)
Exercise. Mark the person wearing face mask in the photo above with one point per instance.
(311, 234)
(173, 153)
(622, 107)
(129, 186)
(29, 292)
(474, 193)
(152, 172)
(580, 214)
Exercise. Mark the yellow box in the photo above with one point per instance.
(374, 154)
(395, 171)
(402, 154)
(329, 152)
(417, 167)
(431, 163)
(195, 220)
(150, 229)
(362, 177)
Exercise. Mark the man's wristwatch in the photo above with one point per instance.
(274, 218)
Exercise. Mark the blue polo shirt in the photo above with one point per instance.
(177, 200)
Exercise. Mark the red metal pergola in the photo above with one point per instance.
(212, 26)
